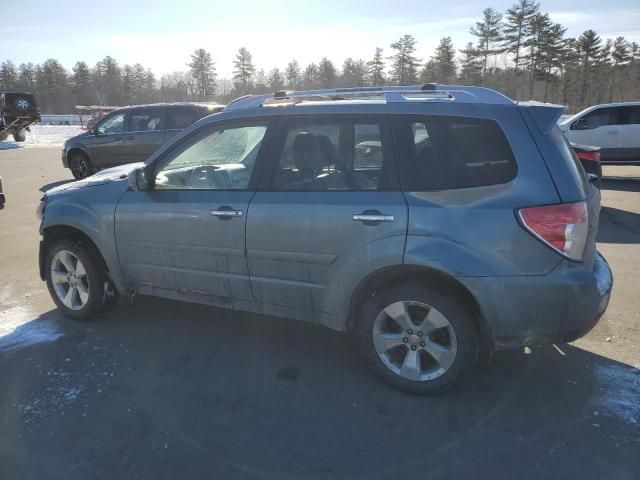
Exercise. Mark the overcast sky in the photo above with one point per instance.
(162, 34)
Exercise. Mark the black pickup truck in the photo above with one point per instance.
(18, 111)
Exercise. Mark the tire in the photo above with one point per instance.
(72, 265)
(388, 344)
(80, 165)
(20, 136)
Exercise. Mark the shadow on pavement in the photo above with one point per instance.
(618, 226)
(622, 184)
(51, 185)
(169, 390)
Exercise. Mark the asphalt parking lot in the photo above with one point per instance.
(166, 390)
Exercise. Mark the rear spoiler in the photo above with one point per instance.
(544, 115)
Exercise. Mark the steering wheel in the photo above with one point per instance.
(205, 174)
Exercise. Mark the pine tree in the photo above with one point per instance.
(619, 56)
(27, 77)
(310, 79)
(488, 32)
(375, 69)
(517, 28)
(353, 73)
(441, 67)
(275, 80)
(404, 64)
(470, 65)
(292, 74)
(243, 71)
(81, 84)
(8, 76)
(204, 72)
(590, 45)
(327, 74)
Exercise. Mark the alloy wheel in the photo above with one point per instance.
(414, 340)
(69, 279)
(79, 166)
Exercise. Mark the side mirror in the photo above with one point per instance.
(139, 179)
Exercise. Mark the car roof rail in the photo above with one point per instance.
(387, 94)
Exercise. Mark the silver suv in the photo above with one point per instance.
(433, 222)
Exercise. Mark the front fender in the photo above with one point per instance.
(93, 220)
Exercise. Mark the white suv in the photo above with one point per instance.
(614, 127)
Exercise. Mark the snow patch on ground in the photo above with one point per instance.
(43, 136)
(620, 392)
(19, 329)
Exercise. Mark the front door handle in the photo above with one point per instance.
(226, 213)
(368, 218)
(613, 132)
(129, 138)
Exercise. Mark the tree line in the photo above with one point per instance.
(520, 52)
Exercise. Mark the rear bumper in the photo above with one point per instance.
(534, 310)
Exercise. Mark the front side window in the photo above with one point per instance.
(218, 159)
(112, 124)
(340, 155)
(598, 118)
(446, 153)
(145, 121)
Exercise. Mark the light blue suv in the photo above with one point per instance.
(434, 222)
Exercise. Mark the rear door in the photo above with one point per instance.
(180, 117)
(630, 143)
(145, 133)
(329, 212)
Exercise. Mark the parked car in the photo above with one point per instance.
(614, 127)
(128, 135)
(433, 222)
(18, 111)
(590, 159)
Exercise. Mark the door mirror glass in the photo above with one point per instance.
(139, 179)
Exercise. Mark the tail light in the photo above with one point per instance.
(589, 156)
(563, 227)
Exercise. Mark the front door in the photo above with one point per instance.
(331, 210)
(187, 234)
(107, 146)
(601, 128)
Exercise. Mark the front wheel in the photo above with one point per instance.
(76, 278)
(418, 339)
(80, 166)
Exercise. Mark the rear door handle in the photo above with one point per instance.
(373, 217)
(129, 138)
(613, 132)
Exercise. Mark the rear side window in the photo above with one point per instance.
(179, 118)
(447, 153)
(334, 155)
(631, 115)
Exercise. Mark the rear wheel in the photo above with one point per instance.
(418, 339)
(20, 136)
(77, 279)
(80, 165)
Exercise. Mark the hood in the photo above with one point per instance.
(115, 174)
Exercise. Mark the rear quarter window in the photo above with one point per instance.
(447, 153)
